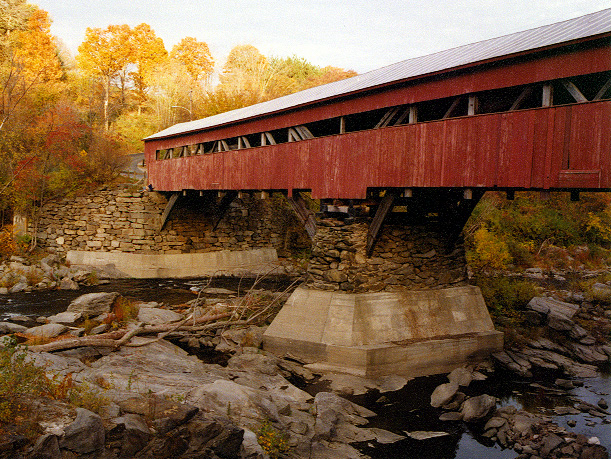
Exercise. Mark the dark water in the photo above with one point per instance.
(168, 291)
(405, 410)
(409, 410)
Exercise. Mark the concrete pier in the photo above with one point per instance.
(411, 333)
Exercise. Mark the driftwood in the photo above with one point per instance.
(120, 338)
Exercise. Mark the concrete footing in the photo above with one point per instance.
(411, 333)
(224, 262)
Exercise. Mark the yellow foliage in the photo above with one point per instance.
(489, 251)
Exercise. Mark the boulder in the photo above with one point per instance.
(443, 394)
(461, 376)
(93, 304)
(477, 408)
(47, 330)
(66, 317)
(67, 284)
(132, 431)
(158, 316)
(546, 306)
(86, 435)
(9, 327)
(18, 287)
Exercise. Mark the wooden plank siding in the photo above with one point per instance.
(543, 148)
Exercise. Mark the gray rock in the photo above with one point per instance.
(47, 330)
(451, 416)
(66, 317)
(551, 442)
(385, 437)
(93, 304)
(495, 423)
(425, 435)
(9, 327)
(158, 316)
(67, 284)
(477, 408)
(461, 376)
(46, 447)
(86, 434)
(559, 322)
(133, 432)
(443, 394)
(546, 306)
(18, 287)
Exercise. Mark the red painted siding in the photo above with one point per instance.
(564, 146)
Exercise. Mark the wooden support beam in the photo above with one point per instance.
(304, 214)
(448, 113)
(221, 208)
(387, 118)
(342, 125)
(600, 94)
(472, 106)
(168, 208)
(547, 97)
(378, 219)
(526, 92)
(574, 91)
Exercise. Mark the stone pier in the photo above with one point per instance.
(404, 308)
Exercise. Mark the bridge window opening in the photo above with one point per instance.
(232, 143)
(365, 120)
(324, 128)
(208, 147)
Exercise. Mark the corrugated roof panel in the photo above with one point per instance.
(573, 29)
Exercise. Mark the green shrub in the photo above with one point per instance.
(505, 296)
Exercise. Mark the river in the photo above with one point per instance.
(405, 410)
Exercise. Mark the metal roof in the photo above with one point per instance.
(573, 29)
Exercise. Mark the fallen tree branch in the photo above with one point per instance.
(120, 338)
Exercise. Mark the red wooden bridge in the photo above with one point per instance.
(530, 110)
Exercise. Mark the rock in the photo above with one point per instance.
(133, 433)
(495, 423)
(477, 408)
(451, 416)
(99, 329)
(67, 284)
(566, 384)
(603, 404)
(251, 447)
(86, 434)
(547, 306)
(461, 376)
(443, 394)
(559, 322)
(93, 304)
(385, 437)
(425, 435)
(158, 316)
(68, 318)
(533, 318)
(9, 327)
(18, 287)
(550, 443)
(594, 452)
(47, 330)
(46, 447)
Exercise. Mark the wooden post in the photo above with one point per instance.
(547, 95)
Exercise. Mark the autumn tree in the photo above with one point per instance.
(104, 55)
(249, 77)
(195, 57)
(29, 60)
(147, 53)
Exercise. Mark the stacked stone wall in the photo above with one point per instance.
(405, 256)
(120, 220)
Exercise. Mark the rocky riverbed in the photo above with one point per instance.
(160, 400)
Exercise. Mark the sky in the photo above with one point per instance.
(361, 35)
